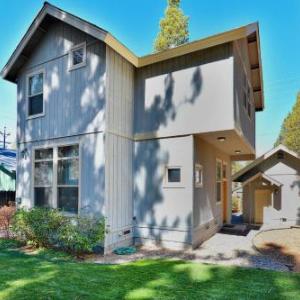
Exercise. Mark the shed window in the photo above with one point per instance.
(35, 94)
(77, 56)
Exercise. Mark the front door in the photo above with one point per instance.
(263, 198)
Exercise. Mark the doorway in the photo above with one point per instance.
(263, 198)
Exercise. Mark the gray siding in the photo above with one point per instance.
(119, 149)
(92, 181)
(163, 212)
(287, 201)
(74, 99)
(243, 123)
(192, 87)
(207, 213)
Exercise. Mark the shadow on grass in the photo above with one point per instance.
(24, 276)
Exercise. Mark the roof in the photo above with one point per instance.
(281, 148)
(50, 12)
(264, 176)
(8, 159)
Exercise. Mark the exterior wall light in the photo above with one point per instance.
(221, 139)
(237, 151)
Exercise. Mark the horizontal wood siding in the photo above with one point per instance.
(119, 149)
(74, 100)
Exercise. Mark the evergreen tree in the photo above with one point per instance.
(173, 28)
(290, 129)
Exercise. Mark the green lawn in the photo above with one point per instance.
(51, 276)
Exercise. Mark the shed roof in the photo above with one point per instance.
(239, 176)
(263, 176)
(49, 12)
(8, 159)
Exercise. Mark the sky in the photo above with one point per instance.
(136, 22)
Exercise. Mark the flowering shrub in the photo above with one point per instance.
(6, 217)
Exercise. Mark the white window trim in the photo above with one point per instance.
(168, 184)
(200, 168)
(39, 71)
(70, 58)
(218, 160)
(55, 168)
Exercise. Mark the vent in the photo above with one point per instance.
(280, 155)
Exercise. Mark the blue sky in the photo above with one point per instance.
(135, 23)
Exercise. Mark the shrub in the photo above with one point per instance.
(6, 217)
(38, 225)
(80, 235)
(49, 228)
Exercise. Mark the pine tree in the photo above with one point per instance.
(173, 28)
(290, 130)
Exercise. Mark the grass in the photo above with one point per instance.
(47, 275)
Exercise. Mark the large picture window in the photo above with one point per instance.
(68, 178)
(56, 178)
(43, 177)
(35, 94)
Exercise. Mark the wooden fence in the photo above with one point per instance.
(7, 198)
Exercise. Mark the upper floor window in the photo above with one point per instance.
(77, 56)
(35, 94)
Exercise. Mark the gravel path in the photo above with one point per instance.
(220, 249)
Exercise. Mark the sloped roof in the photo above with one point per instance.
(8, 159)
(238, 176)
(48, 12)
(264, 176)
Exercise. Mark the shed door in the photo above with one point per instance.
(263, 198)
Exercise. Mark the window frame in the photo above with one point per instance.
(219, 161)
(34, 161)
(200, 168)
(28, 76)
(70, 57)
(55, 147)
(168, 184)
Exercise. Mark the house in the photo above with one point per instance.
(271, 188)
(146, 141)
(7, 176)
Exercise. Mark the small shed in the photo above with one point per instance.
(7, 176)
(271, 188)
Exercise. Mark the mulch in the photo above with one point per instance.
(282, 245)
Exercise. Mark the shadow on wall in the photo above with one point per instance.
(74, 104)
(150, 159)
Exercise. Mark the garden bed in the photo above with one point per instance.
(281, 244)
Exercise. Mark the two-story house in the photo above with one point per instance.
(146, 141)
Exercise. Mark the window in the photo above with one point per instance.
(198, 175)
(43, 177)
(77, 56)
(35, 94)
(219, 181)
(174, 174)
(68, 178)
(224, 169)
(56, 178)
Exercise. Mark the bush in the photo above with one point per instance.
(49, 228)
(38, 225)
(80, 235)
(6, 217)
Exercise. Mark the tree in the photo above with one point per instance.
(173, 28)
(290, 130)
